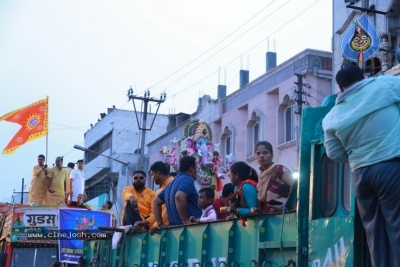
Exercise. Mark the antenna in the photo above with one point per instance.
(241, 62)
(219, 75)
(268, 45)
(248, 61)
(225, 78)
(274, 45)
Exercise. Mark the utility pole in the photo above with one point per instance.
(146, 100)
(299, 93)
(299, 103)
(22, 191)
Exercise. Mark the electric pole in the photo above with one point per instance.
(146, 100)
(299, 93)
(22, 191)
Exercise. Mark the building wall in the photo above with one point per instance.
(124, 146)
(16, 198)
(263, 100)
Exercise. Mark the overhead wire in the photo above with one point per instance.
(224, 48)
(208, 50)
(280, 28)
(237, 74)
(211, 111)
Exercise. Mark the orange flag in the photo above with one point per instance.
(34, 122)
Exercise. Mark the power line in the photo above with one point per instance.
(280, 28)
(213, 45)
(223, 48)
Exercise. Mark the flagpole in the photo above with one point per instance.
(47, 134)
(47, 143)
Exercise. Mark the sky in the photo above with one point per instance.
(84, 55)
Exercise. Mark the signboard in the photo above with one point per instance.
(75, 226)
(335, 248)
(33, 220)
(361, 41)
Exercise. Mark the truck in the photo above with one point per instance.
(318, 227)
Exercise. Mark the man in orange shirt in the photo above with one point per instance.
(138, 200)
(160, 174)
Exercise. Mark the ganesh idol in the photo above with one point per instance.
(197, 142)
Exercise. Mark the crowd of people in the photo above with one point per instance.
(56, 186)
(356, 132)
(178, 202)
(61, 187)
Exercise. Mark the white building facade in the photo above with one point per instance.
(116, 135)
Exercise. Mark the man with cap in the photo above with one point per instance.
(77, 182)
(363, 129)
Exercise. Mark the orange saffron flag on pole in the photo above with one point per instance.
(34, 122)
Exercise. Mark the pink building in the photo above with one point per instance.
(264, 109)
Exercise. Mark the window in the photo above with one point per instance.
(228, 145)
(289, 129)
(35, 257)
(256, 132)
(286, 121)
(99, 147)
(346, 188)
(372, 66)
(329, 186)
(227, 141)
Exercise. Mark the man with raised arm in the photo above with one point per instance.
(363, 129)
(37, 189)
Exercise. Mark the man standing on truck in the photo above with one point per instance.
(363, 129)
(37, 190)
(77, 182)
(56, 184)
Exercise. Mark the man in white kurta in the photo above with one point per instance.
(77, 181)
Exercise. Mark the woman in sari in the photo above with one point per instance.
(245, 179)
(275, 179)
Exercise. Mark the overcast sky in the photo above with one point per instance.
(85, 55)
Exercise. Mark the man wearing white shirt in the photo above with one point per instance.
(77, 182)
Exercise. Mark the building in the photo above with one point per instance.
(263, 109)
(116, 135)
(16, 198)
(384, 15)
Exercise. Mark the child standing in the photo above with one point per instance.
(220, 204)
(205, 202)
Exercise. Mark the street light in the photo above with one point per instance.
(92, 151)
(126, 164)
